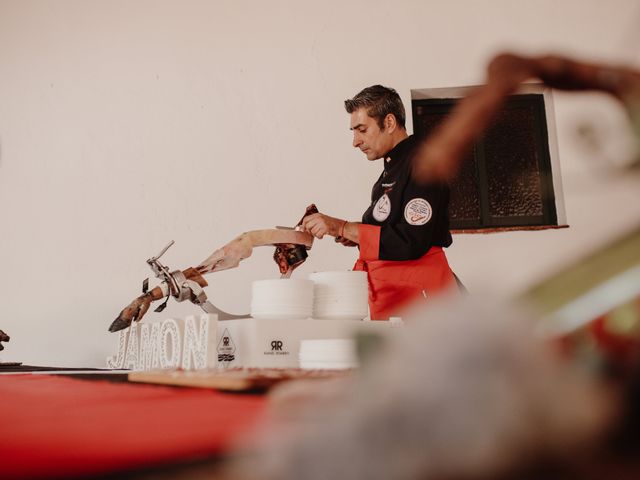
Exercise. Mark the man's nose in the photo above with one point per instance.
(357, 141)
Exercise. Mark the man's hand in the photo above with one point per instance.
(320, 225)
(346, 242)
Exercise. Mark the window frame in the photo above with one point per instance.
(533, 95)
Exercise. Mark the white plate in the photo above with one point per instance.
(336, 309)
(279, 316)
(273, 311)
(339, 276)
(339, 317)
(279, 306)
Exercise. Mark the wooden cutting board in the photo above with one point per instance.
(232, 379)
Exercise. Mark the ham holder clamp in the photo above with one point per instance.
(291, 251)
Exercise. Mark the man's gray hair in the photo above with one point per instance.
(379, 102)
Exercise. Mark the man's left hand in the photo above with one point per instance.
(346, 242)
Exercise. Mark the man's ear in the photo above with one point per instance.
(390, 123)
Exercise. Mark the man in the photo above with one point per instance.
(405, 228)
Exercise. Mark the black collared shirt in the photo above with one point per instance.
(413, 218)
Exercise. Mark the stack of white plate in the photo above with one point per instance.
(330, 354)
(282, 299)
(340, 295)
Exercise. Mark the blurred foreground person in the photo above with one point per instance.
(470, 394)
(473, 393)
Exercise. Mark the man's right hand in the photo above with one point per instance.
(319, 225)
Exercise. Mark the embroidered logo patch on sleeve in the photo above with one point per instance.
(382, 208)
(417, 212)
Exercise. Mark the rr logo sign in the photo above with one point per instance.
(276, 345)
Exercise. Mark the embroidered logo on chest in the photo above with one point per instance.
(382, 208)
(417, 212)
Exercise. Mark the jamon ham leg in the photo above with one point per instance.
(242, 247)
(291, 251)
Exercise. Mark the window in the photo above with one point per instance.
(507, 181)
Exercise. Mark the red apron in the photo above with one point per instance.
(393, 285)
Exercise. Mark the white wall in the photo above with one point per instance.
(124, 124)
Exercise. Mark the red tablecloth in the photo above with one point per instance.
(60, 427)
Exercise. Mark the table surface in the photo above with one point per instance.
(56, 426)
